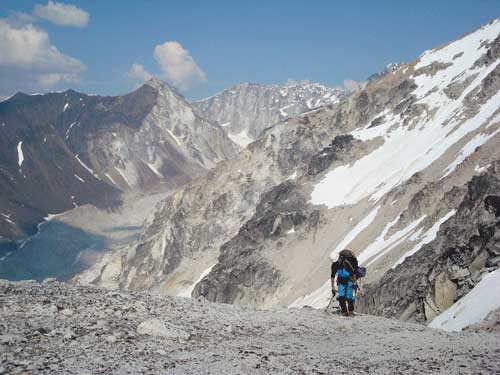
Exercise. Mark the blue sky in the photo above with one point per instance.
(222, 42)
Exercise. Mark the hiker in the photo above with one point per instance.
(345, 269)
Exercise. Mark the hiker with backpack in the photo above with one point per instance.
(345, 269)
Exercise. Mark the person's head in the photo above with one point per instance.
(346, 253)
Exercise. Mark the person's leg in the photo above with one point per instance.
(350, 306)
(342, 298)
(350, 297)
(343, 305)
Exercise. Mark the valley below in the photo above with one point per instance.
(68, 243)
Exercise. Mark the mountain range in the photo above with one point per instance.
(247, 109)
(383, 172)
(264, 185)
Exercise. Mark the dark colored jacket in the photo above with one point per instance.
(350, 264)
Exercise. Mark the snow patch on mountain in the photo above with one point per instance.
(176, 139)
(90, 170)
(110, 178)
(472, 308)
(189, 290)
(382, 246)
(69, 129)
(405, 151)
(428, 237)
(20, 154)
(154, 169)
(123, 175)
(79, 178)
(242, 139)
(468, 149)
(361, 226)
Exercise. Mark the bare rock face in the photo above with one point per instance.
(242, 274)
(62, 150)
(445, 292)
(340, 147)
(247, 109)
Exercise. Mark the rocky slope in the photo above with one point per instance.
(379, 173)
(61, 150)
(56, 328)
(245, 110)
(466, 248)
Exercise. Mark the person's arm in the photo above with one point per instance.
(334, 273)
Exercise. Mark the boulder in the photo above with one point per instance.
(492, 262)
(155, 327)
(444, 291)
(461, 273)
(479, 262)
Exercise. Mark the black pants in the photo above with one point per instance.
(346, 304)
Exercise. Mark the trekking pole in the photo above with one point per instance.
(331, 300)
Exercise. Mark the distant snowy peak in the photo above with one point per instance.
(245, 110)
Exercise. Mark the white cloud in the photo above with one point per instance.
(30, 47)
(178, 65)
(62, 14)
(28, 60)
(139, 73)
(51, 79)
(19, 19)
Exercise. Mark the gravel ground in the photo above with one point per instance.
(57, 328)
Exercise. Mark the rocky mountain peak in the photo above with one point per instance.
(96, 147)
(246, 109)
(160, 85)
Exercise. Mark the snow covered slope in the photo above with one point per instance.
(247, 109)
(474, 307)
(382, 173)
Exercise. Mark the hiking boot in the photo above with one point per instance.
(345, 314)
(350, 313)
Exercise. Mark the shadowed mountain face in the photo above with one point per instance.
(62, 150)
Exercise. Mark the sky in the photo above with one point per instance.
(202, 47)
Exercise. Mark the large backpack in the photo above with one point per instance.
(348, 258)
